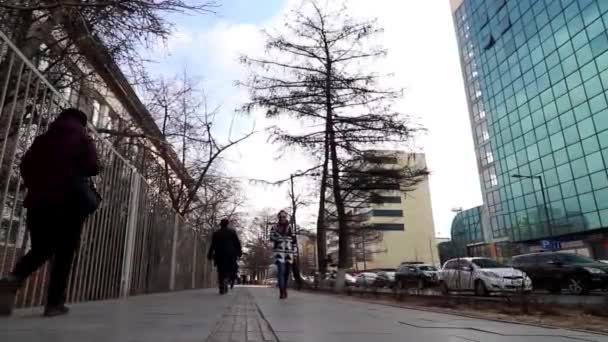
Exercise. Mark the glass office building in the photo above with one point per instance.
(536, 74)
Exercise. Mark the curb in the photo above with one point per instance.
(446, 312)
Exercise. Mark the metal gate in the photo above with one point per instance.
(134, 244)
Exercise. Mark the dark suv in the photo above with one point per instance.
(554, 271)
(420, 275)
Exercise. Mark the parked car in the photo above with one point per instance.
(420, 275)
(555, 271)
(483, 276)
(349, 279)
(365, 279)
(385, 279)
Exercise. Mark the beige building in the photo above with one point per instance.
(400, 224)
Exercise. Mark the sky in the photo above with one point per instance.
(422, 55)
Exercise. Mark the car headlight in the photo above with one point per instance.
(490, 274)
(593, 270)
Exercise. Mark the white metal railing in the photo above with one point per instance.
(134, 244)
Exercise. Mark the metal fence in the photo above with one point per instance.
(134, 243)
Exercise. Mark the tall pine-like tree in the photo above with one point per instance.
(317, 70)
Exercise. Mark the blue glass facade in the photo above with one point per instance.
(536, 75)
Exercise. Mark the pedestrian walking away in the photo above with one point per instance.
(56, 171)
(225, 250)
(284, 246)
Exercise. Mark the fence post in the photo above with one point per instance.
(194, 257)
(174, 254)
(129, 247)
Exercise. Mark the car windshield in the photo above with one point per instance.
(575, 259)
(487, 263)
(427, 268)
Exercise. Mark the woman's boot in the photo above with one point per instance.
(285, 294)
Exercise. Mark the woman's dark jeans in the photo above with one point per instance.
(283, 269)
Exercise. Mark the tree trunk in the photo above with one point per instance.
(321, 229)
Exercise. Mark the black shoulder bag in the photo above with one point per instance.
(86, 197)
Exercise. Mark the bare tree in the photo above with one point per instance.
(56, 29)
(317, 70)
(180, 107)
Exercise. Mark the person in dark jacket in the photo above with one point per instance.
(224, 251)
(53, 220)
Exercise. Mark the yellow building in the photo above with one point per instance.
(400, 223)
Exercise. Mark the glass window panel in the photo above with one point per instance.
(593, 220)
(590, 145)
(588, 71)
(567, 119)
(600, 120)
(566, 50)
(598, 103)
(601, 198)
(575, 151)
(575, 25)
(579, 167)
(602, 61)
(582, 111)
(587, 202)
(551, 177)
(604, 216)
(595, 29)
(568, 190)
(595, 162)
(574, 80)
(603, 139)
(570, 65)
(577, 95)
(564, 173)
(548, 162)
(586, 128)
(599, 180)
(583, 185)
(561, 157)
(584, 55)
(557, 141)
(599, 44)
(593, 86)
(591, 13)
(572, 204)
(571, 135)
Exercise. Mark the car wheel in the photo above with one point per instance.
(445, 290)
(480, 288)
(577, 286)
(421, 284)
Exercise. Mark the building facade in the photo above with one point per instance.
(535, 74)
(398, 225)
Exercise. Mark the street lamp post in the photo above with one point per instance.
(542, 190)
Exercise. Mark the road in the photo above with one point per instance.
(255, 314)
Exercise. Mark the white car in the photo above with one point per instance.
(483, 276)
(349, 280)
(366, 279)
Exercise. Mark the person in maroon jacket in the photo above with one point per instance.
(54, 221)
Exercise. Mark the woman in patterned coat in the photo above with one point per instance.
(283, 250)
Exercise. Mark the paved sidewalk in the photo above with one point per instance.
(308, 317)
(256, 314)
(176, 317)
